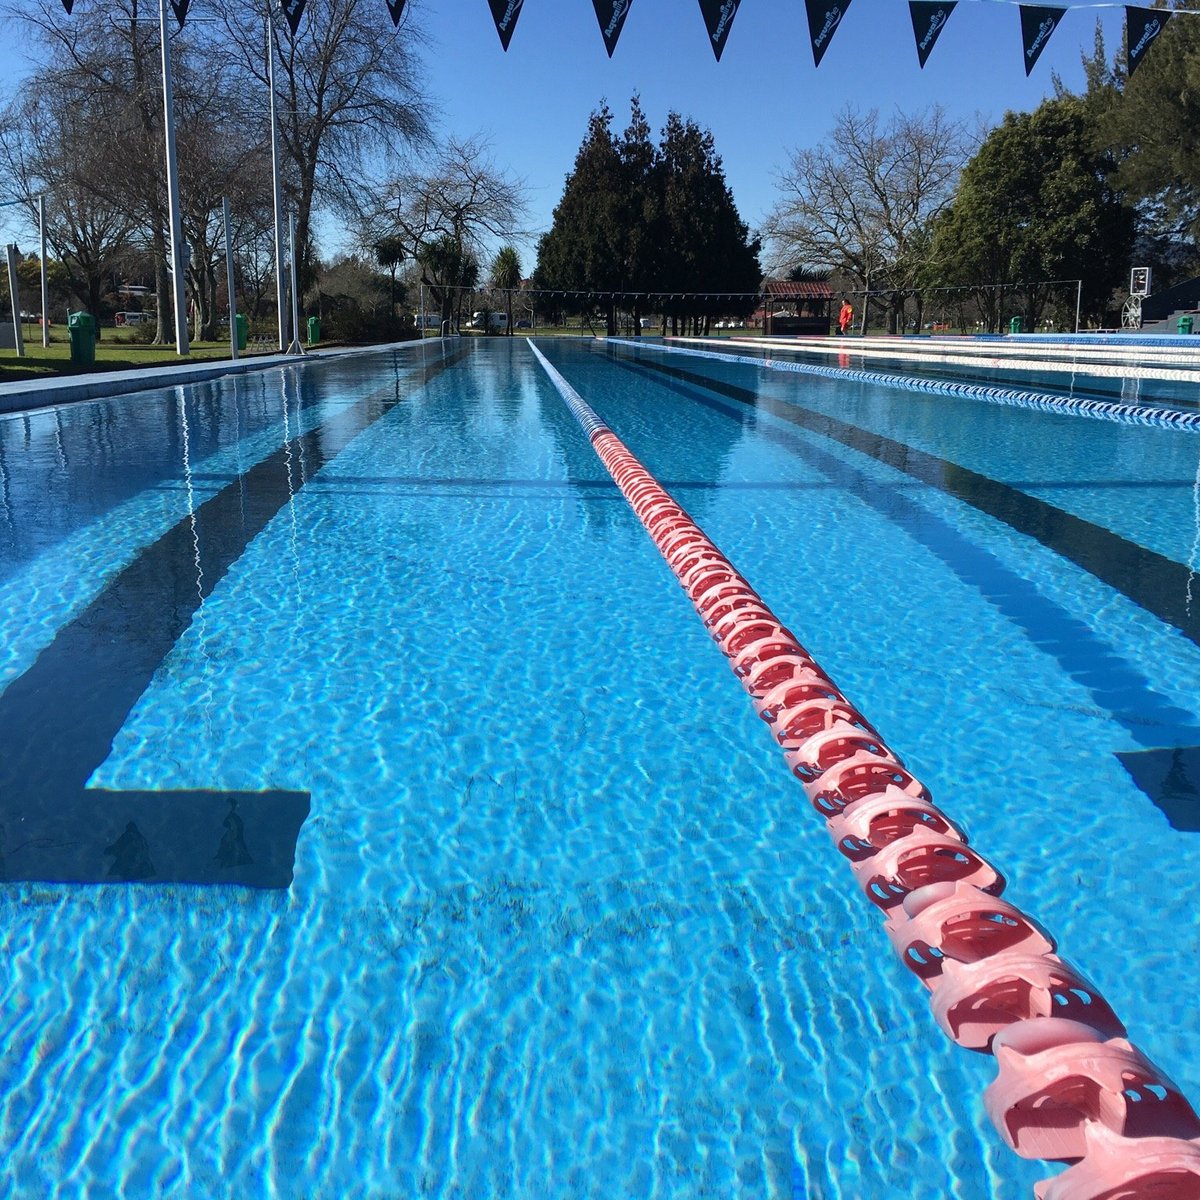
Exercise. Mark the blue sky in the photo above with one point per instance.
(763, 98)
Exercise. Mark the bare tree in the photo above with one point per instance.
(56, 148)
(347, 91)
(217, 161)
(445, 217)
(862, 202)
(102, 63)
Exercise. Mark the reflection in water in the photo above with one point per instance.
(233, 852)
(1194, 556)
(201, 837)
(131, 856)
(59, 718)
(1171, 778)
(601, 500)
(1117, 684)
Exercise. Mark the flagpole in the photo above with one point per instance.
(233, 331)
(280, 286)
(294, 347)
(45, 274)
(177, 264)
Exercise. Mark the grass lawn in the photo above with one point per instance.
(115, 351)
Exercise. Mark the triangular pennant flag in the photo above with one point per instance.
(1037, 24)
(179, 8)
(611, 14)
(929, 18)
(293, 10)
(824, 16)
(718, 16)
(395, 11)
(1142, 26)
(505, 14)
(68, 5)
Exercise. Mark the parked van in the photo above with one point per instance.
(497, 322)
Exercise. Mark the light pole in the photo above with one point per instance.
(41, 211)
(45, 274)
(233, 331)
(178, 266)
(294, 346)
(280, 301)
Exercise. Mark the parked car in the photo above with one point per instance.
(131, 318)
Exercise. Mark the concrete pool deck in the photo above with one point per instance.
(28, 394)
(1161, 356)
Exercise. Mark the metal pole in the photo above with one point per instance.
(233, 331)
(862, 324)
(280, 298)
(14, 295)
(178, 265)
(45, 274)
(421, 310)
(1078, 301)
(294, 347)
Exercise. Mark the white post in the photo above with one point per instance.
(177, 258)
(14, 296)
(421, 310)
(1078, 301)
(45, 275)
(233, 332)
(294, 347)
(280, 298)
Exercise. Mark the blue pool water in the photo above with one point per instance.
(561, 924)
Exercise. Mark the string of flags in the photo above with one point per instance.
(929, 17)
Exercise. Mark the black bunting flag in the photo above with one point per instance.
(68, 5)
(1037, 24)
(1142, 26)
(929, 19)
(293, 10)
(718, 16)
(824, 16)
(611, 14)
(395, 11)
(505, 14)
(179, 8)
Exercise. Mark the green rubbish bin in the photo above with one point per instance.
(81, 329)
(314, 330)
(243, 330)
(1015, 325)
(1185, 324)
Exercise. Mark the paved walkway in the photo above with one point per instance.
(28, 394)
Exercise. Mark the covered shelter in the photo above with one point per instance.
(791, 307)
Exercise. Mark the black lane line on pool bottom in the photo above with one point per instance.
(1107, 676)
(58, 720)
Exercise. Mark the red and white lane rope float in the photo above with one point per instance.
(1069, 1086)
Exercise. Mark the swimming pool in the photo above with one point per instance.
(560, 924)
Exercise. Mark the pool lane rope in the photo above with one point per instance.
(1130, 414)
(1069, 1086)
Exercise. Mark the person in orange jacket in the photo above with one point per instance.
(845, 316)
